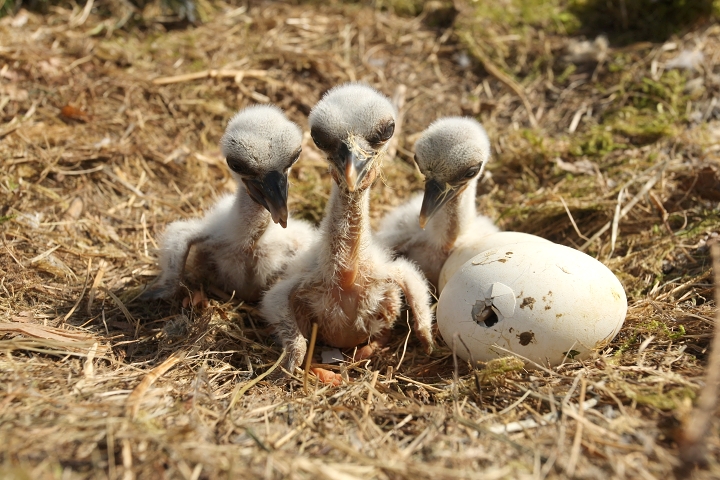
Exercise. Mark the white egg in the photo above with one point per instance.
(468, 249)
(543, 301)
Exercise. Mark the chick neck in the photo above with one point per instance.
(454, 218)
(346, 228)
(254, 219)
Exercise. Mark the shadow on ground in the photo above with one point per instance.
(630, 21)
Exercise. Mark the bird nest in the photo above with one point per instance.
(112, 117)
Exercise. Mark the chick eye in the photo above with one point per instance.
(471, 172)
(320, 139)
(237, 166)
(383, 133)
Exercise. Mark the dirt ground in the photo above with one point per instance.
(110, 118)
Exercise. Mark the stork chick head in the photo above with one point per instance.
(260, 145)
(352, 124)
(450, 153)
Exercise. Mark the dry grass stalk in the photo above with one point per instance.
(134, 399)
(99, 159)
(502, 76)
(693, 440)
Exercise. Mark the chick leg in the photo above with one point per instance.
(176, 243)
(276, 307)
(377, 343)
(417, 296)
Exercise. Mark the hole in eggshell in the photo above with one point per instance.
(484, 315)
(492, 319)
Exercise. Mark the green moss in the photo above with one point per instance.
(7, 7)
(569, 70)
(627, 344)
(644, 111)
(660, 329)
(408, 8)
(598, 141)
(669, 400)
(550, 15)
(656, 327)
(710, 220)
(499, 367)
(642, 127)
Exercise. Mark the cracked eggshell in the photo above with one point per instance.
(543, 301)
(468, 249)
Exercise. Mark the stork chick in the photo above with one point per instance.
(236, 246)
(451, 153)
(347, 283)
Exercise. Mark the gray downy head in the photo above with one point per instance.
(450, 153)
(352, 124)
(260, 145)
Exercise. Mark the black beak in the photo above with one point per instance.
(357, 166)
(436, 195)
(270, 191)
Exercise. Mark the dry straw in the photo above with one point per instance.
(111, 119)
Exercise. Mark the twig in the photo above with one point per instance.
(572, 220)
(616, 222)
(477, 52)
(189, 77)
(546, 419)
(415, 382)
(133, 400)
(575, 452)
(626, 209)
(407, 337)
(123, 309)
(124, 183)
(88, 368)
(576, 119)
(693, 446)
(310, 352)
(511, 407)
(82, 294)
(371, 389)
(80, 19)
(241, 390)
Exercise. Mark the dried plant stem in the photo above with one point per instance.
(133, 401)
(572, 220)
(371, 389)
(188, 77)
(575, 452)
(308, 359)
(98, 278)
(124, 310)
(626, 209)
(478, 53)
(407, 337)
(241, 390)
(82, 294)
(693, 447)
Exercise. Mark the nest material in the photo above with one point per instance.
(109, 134)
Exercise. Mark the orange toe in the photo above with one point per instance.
(327, 376)
(364, 352)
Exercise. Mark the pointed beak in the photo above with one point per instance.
(357, 165)
(436, 195)
(270, 191)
